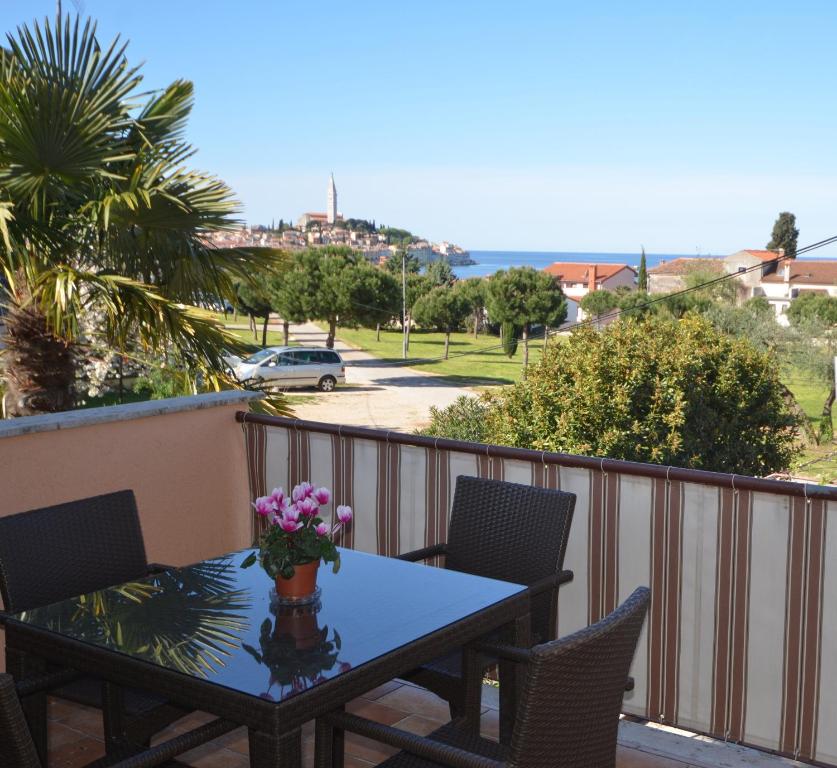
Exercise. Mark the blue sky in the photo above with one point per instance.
(529, 125)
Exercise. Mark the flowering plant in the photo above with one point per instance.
(296, 532)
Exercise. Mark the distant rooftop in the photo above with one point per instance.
(764, 255)
(812, 272)
(685, 265)
(573, 272)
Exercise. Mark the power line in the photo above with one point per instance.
(620, 312)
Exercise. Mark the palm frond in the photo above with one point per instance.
(131, 310)
(163, 119)
(6, 217)
(63, 107)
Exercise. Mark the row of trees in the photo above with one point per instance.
(336, 285)
(516, 299)
(324, 284)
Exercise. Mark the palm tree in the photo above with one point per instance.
(105, 232)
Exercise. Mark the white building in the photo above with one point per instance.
(670, 276)
(422, 251)
(793, 279)
(573, 312)
(577, 280)
(761, 263)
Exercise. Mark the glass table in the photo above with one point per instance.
(212, 637)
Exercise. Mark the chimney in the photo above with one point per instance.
(591, 278)
(786, 270)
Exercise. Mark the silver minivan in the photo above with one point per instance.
(294, 367)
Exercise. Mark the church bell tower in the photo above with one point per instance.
(331, 209)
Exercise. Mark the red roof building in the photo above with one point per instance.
(578, 279)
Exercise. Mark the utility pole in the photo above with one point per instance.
(404, 303)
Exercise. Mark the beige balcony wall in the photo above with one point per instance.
(184, 459)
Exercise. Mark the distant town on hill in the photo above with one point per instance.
(312, 229)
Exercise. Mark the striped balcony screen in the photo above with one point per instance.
(741, 640)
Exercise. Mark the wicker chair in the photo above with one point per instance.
(503, 531)
(568, 715)
(70, 549)
(17, 748)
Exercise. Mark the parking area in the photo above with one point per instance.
(376, 394)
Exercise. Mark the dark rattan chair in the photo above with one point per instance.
(503, 531)
(568, 715)
(70, 549)
(17, 749)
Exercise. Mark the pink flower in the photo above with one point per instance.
(264, 506)
(322, 529)
(344, 513)
(307, 507)
(278, 495)
(322, 495)
(291, 513)
(302, 491)
(289, 526)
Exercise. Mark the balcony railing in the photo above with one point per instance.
(740, 638)
(743, 571)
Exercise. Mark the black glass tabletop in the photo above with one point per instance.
(219, 622)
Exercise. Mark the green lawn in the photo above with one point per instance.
(816, 461)
(809, 393)
(484, 364)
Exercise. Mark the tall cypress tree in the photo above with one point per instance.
(784, 234)
(642, 276)
(509, 333)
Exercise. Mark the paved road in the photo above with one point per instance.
(375, 395)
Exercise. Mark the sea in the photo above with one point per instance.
(488, 262)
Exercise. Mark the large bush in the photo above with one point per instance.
(652, 389)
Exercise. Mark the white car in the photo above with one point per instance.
(294, 367)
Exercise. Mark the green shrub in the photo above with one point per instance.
(652, 389)
(463, 419)
(163, 382)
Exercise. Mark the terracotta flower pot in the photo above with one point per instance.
(303, 628)
(301, 584)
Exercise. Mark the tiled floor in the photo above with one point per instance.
(75, 735)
